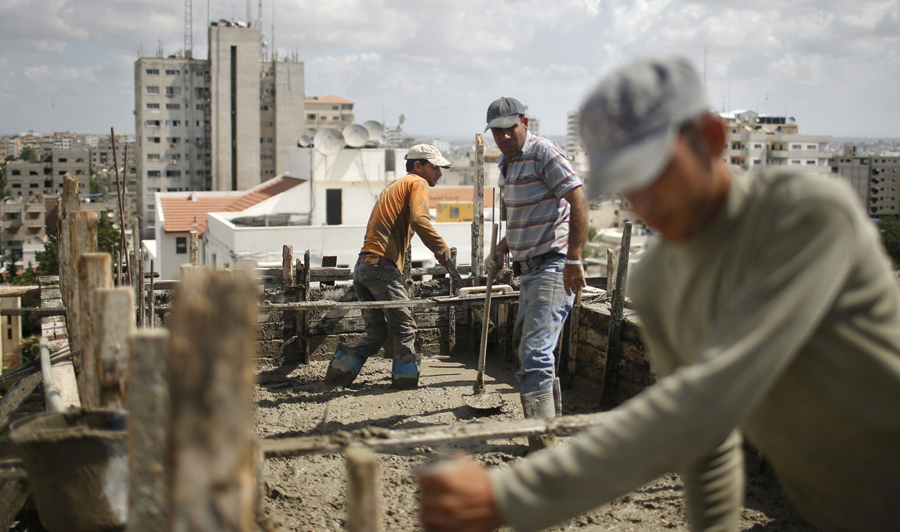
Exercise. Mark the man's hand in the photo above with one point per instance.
(492, 265)
(456, 496)
(573, 278)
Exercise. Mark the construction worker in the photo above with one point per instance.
(770, 312)
(401, 209)
(547, 226)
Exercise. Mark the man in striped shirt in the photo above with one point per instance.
(547, 224)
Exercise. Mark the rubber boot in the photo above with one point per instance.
(405, 374)
(344, 367)
(557, 396)
(539, 404)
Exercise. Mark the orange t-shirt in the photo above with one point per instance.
(401, 206)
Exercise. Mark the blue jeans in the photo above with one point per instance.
(543, 308)
(377, 282)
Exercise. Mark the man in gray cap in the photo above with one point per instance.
(770, 312)
(547, 226)
(401, 209)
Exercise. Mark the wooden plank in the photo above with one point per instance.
(18, 291)
(287, 265)
(211, 358)
(380, 438)
(83, 239)
(33, 311)
(617, 310)
(151, 299)
(302, 316)
(69, 204)
(364, 490)
(329, 261)
(12, 498)
(574, 326)
(16, 395)
(114, 308)
(195, 248)
(94, 272)
(148, 429)
(451, 310)
(478, 208)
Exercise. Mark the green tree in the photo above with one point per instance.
(108, 238)
(890, 236)
(29, 154)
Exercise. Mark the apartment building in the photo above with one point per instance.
(756, 140)
(23, 229)
(327, 111)
(574, 150)
(26, 179)
(224, 123)
(9, 146)
(873, 177)
(103, 165)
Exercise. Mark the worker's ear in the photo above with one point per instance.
(418, 167)
(713, 128)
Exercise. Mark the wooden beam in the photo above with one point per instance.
(329, 261)
(148, 429)
(195, 248)
(287, 265)
(69, 204)
(13, 495)
(94, 272)
(211, 358)
(16, 395)
(114, 308)
(451, 310)
(302, 316)
(380, 438)
(364, 490)
(19, 291)
(83, 239)
(616, 313)
(478, 222)
(33, 311)
(574, 326)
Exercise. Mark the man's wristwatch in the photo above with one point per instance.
(570, 262)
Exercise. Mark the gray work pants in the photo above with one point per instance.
(380, 282)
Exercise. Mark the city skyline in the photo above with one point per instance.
(71, 68)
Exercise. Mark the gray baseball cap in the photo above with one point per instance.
(630, 121)
(503, 112)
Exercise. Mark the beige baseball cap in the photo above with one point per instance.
(428, 153)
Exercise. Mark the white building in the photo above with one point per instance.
(756, 140)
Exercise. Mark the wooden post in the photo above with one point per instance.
(94, 272)
(478, 222)
(451, 309)
(114, 308)
(364, 490)
(195, 249)
(612, 267)
(617, 310)
(302, 321)
(82, 239)
(148, 429)
(211, 431)
(287, 263)
(141, 302)
(69, 204)
(328, 261)
(407, 265)
(151, 299)
(574, 326)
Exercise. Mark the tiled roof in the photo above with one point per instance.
(182, 214)
(327, 99)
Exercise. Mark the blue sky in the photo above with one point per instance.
(833, 66)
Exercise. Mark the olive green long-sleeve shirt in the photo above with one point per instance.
(779, 321)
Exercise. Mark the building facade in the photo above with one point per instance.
(29, 179)
(874, 178)
(282, 89)
(327, 112)
(756, 140)
(23, 232)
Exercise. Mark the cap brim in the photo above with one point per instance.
(502, 122)
(626, 169)
(440, 162)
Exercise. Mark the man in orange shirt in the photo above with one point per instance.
(401, 209)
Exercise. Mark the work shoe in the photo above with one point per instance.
(344, 367)
(405, 375)
(539, 404)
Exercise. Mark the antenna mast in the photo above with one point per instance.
(249, 14)
(262, 39)
(188, 29)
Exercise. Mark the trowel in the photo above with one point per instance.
(480, 400)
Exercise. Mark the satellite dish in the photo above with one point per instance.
(355, 135)
(304, 142)
(374, 128)
(328, 141)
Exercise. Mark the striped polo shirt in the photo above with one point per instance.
(533, 184)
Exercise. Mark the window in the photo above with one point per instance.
(263, 107)
(173, 91)
(198, 73)
(152, 106)
(198, 93)
(346, 106)
(152, 71)
(63, 160)
(173, 106)
(152, 156)
(173, 173)
(171, 72)
(35, 185)
(335, 107)
(173, 140)
(153, 173)
(266, 124)
(796, 146)
(311, 116)
(153, 140)
(181, 245)
(811, 162)
(17, 185)
(172, 123)
(335, 118)
(61, 172)
(152, 90)
(150, 207)
(199, 123)
(152, 123)
(199, 106)
(795, 162)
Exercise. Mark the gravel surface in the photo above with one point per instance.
(308, 493)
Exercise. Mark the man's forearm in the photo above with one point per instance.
(578, 222)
